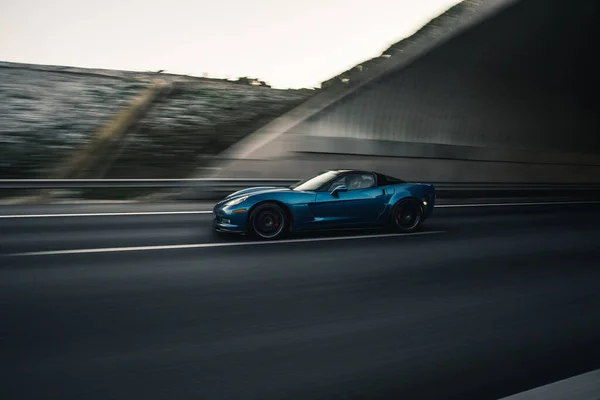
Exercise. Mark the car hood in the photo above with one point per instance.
(254, 191)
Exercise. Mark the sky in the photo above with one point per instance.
(287, 43)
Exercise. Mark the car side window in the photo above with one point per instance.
(354, 181)
(338, 182)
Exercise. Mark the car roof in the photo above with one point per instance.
(360, 171)
(351, 170)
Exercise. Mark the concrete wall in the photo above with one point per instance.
(514, 82)
(515, 98)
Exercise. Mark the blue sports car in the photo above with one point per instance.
(334, 199)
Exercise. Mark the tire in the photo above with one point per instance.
(406, 216)
(268, 221)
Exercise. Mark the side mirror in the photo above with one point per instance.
(341, 188)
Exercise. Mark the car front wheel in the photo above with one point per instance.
(267, 221)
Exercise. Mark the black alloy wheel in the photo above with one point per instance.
(406, 215)
(268, 221)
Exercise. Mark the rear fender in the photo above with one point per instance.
(423, 193)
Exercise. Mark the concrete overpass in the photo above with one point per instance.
(492, 90)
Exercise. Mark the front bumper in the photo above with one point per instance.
(229, 220)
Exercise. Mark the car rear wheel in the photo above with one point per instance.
(268, 221)
(406, 216)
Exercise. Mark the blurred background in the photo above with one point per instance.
(477, 91)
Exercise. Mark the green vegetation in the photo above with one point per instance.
(45, 116)
(48, 114)
(197, 121)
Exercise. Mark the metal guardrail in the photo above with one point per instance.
(211, 189)
(444, 190)
(140, 183)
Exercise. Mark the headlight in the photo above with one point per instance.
(236, 201)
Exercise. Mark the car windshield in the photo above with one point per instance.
(315, 182)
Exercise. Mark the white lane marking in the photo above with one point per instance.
(108, 214)
(221, 244)
(581, 387)
(546, 203)
(113, 214)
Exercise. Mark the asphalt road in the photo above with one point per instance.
(490, 302)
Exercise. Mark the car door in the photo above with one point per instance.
(361, 203)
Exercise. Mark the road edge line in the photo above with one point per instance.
(211, 245)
